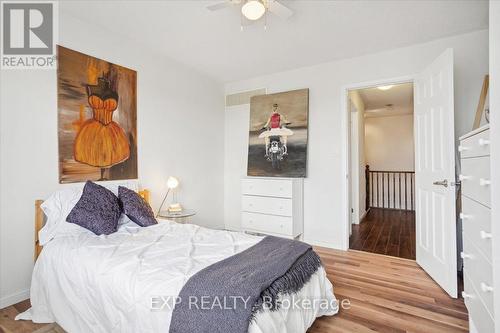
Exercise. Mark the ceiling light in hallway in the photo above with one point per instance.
(385, 87)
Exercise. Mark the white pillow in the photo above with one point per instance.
(56, 208)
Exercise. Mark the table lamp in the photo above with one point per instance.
(172, 184)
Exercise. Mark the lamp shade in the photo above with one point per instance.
(172, 182)
(253, 9)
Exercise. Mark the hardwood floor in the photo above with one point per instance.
(385, 231)
(9, 325)
(386, 294)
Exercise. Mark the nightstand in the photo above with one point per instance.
(180, 217)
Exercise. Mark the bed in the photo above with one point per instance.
(138, 274)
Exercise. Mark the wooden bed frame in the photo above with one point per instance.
(40, 219)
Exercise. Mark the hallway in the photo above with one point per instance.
(385, 231)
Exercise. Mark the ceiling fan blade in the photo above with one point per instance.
(280, 10)
(219, 5)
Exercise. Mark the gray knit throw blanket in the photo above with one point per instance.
(225, 297)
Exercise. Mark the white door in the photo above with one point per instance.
(354, 163)
(435, 172)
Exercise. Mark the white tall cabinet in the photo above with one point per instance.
(477, 254)
(273, 206)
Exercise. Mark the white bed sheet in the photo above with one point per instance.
(89, 283)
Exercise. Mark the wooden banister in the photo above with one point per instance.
(383, 192)
(367, 186)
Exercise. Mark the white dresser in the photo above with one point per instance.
(272, 206)
(476, 227)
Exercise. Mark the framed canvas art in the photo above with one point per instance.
(97, 118)
(278, 134)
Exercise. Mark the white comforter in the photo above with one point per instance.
(89, 283)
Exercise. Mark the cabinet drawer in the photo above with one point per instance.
(266, 205)
(475, 177)
(476, 224)
(477, 311)
(266, 223)
(267, 187)
(480, 273)
(476, 145)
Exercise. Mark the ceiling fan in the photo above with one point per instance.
(253, 10)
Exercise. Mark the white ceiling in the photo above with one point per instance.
(377, 101)
(320, 31)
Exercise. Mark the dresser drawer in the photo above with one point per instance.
(475, 178)
(267, 187)
(476, 224)
(267, 223)
(480, 273)
(477, 311)
(266, 205)
(476, 145)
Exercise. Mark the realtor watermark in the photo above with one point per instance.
(29, 34)
(168, 303)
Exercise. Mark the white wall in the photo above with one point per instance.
(495, 146)
(323, 212)
(389, 144)
(180, 132)
(358, 160)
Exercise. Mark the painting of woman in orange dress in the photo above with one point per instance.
(97, 119)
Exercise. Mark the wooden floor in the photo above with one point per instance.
(385, 231)
(386, 294)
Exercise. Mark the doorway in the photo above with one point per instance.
(382, 160)
(434, 185)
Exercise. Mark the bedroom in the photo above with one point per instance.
(188, 60)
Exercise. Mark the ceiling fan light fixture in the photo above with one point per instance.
(253, 9)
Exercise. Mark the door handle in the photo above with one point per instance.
(441, 182)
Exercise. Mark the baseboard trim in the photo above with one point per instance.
(364, 215)
(232, 228)
(14, 298)
(322, 244)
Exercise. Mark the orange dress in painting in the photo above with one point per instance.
(101, 142)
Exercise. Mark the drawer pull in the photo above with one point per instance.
(466, 295)
(281, 226)
(463, 148)
(464, 216)
(485, 235)
(464, 255)
(483, 142)
(484, 182)
(486, 288)
(463, 177)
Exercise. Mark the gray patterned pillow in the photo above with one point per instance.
(135, 207)
(98, 210)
